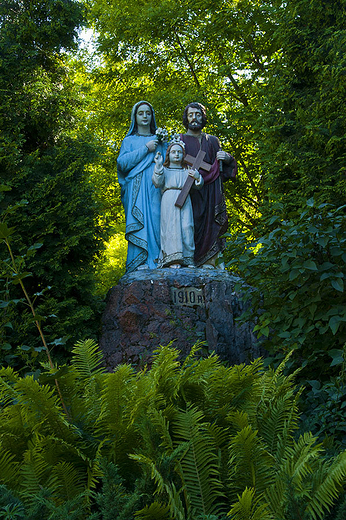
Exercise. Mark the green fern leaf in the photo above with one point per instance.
(9, 469)
(164, 372)
(326, 486)
(234, 388)
(155, 473)
(156, 511)
(199, 465)
(7, 392)
(114, 422)
(40, 407)
(66, 481)
(277, 496)
(87, 359)
(251, 465)
(116, 396)
(248, 508)
(34, 474)
(300, 458)
(165, 488)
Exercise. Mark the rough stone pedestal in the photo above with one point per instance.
(149, 308)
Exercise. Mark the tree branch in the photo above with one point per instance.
(187, 59)
(253, 185)
(242, 98)
(254, 54)
(37, 323)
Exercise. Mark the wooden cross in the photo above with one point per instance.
(196, 163)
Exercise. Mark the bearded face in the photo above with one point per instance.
(195, 119)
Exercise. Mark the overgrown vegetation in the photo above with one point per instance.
(297, 271)
(182, 440)
(194, 439)
(46, 194)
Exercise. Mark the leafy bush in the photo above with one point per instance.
(297, 270)
(301, 125)
(44, 162)
(191, 439)
(323, 410)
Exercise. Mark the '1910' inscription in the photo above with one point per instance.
(187, 296)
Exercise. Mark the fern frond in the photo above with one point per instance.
(196, 370)
(164, 372)
(66, 481)
(238, 419)
(175, 504)
(13, 431)
(193, 380)
(41, 409)
(92, 400)
(298, 459)
(8, 394)
(8, 374)
(161, 425)
(155, 473)
(277, 496)
(71, 388)
(156, 511)
(277, 418)
(191, 357)
(143, 395)
(232, 388)
(87, 359)
(248, 508)
(275, 383)
(34, 474)
(116, 394)
(95, 471)
(199, 465)
(326, 486)
(9, 469)
(250, 463)
(218, 434)
(114, 421)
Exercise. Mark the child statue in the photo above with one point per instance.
(176, 229)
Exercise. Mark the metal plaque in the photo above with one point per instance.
(187, 296)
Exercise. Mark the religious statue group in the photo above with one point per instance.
(168, 225)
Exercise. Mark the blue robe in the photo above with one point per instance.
(141, 201)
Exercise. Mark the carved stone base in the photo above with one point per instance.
(149, 308)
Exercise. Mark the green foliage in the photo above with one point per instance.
(301, 125)
(324, 410)
(199, 464)
(182, 440)
(111, 265)
(271, 75)
(297, 270)
(190, 57)
(246, 507)
(46, 197)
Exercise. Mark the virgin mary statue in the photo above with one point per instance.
(140, 198)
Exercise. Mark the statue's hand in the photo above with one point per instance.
(158, 159)
(152, 145)
(194, 173)
(223, 156)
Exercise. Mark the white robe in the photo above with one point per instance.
(176, 229)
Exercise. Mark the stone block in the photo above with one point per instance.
(149, 308)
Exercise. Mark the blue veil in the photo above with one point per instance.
(133, 126)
